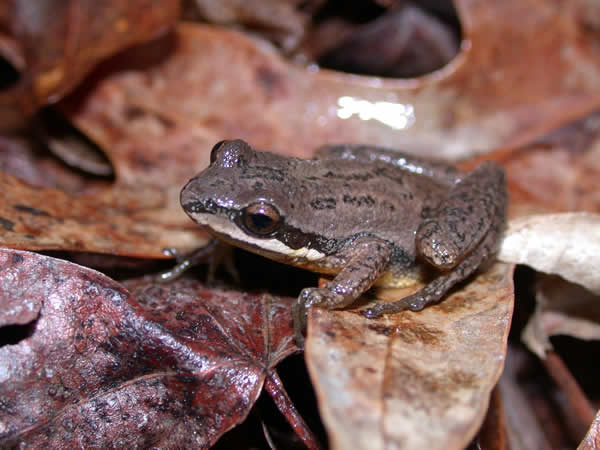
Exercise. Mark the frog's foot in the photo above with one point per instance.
(214, 254)
(439, 287)
(308, 298)
(431, 293)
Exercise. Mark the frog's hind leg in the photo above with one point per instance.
(439, 287)
(458, 237)
(473, 207)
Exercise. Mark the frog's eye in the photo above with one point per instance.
(261, 219)
(215, 149)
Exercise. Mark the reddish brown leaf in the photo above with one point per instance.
(412, 380)
(223, 84)
(558, 172)
(60, 41)
(110, 221)
(167, 365)
(275, 19)
(169, 102)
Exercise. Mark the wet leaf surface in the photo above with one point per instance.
(164, 105)
(465, 108)
(158, 365)
(412, 380)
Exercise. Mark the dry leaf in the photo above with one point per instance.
(110, 221)
(275, 19)
(558, 172)
(412, 380)
(561, 308)
(57, 42)
(563, 244)
(168, 365)
(224, 84)
(159, 109)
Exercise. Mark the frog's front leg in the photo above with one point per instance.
(367, 258)
(458, 236)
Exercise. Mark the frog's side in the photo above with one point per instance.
(365, 214)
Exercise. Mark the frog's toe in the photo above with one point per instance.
(299, 321)
(372, 313)
(412, 303)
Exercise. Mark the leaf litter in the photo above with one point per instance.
(137, 112)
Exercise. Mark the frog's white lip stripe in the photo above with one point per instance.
(223, 226)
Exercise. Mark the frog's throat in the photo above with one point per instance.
(268, 247)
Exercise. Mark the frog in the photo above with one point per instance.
(362, 215)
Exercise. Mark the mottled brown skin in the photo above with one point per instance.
(368, 215)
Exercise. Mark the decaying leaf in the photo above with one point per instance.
(412, 380)
(277, 19)
(233, 86)
(562, 244)
(57, 42)
(158, 110)
(567, 245)
(404, 42)
(558, 172)
(110, 221)
(165, 365)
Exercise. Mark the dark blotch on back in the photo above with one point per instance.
(362, 200)
(323, 203)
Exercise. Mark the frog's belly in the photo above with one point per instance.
(402, 277)
(393, 277)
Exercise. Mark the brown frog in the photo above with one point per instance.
(367, 215)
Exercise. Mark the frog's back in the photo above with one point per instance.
(349, 198)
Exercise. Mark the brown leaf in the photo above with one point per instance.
(412, 380)
(60, 41)
(558, 172)
(110, 221)
(168, 365)
(224, 84)
(404, 42)
(170, 101)
(276, 19)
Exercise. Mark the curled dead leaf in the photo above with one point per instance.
(561, 308)
(57, 42)
(563, 244)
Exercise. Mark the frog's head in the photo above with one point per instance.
(245, 197)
